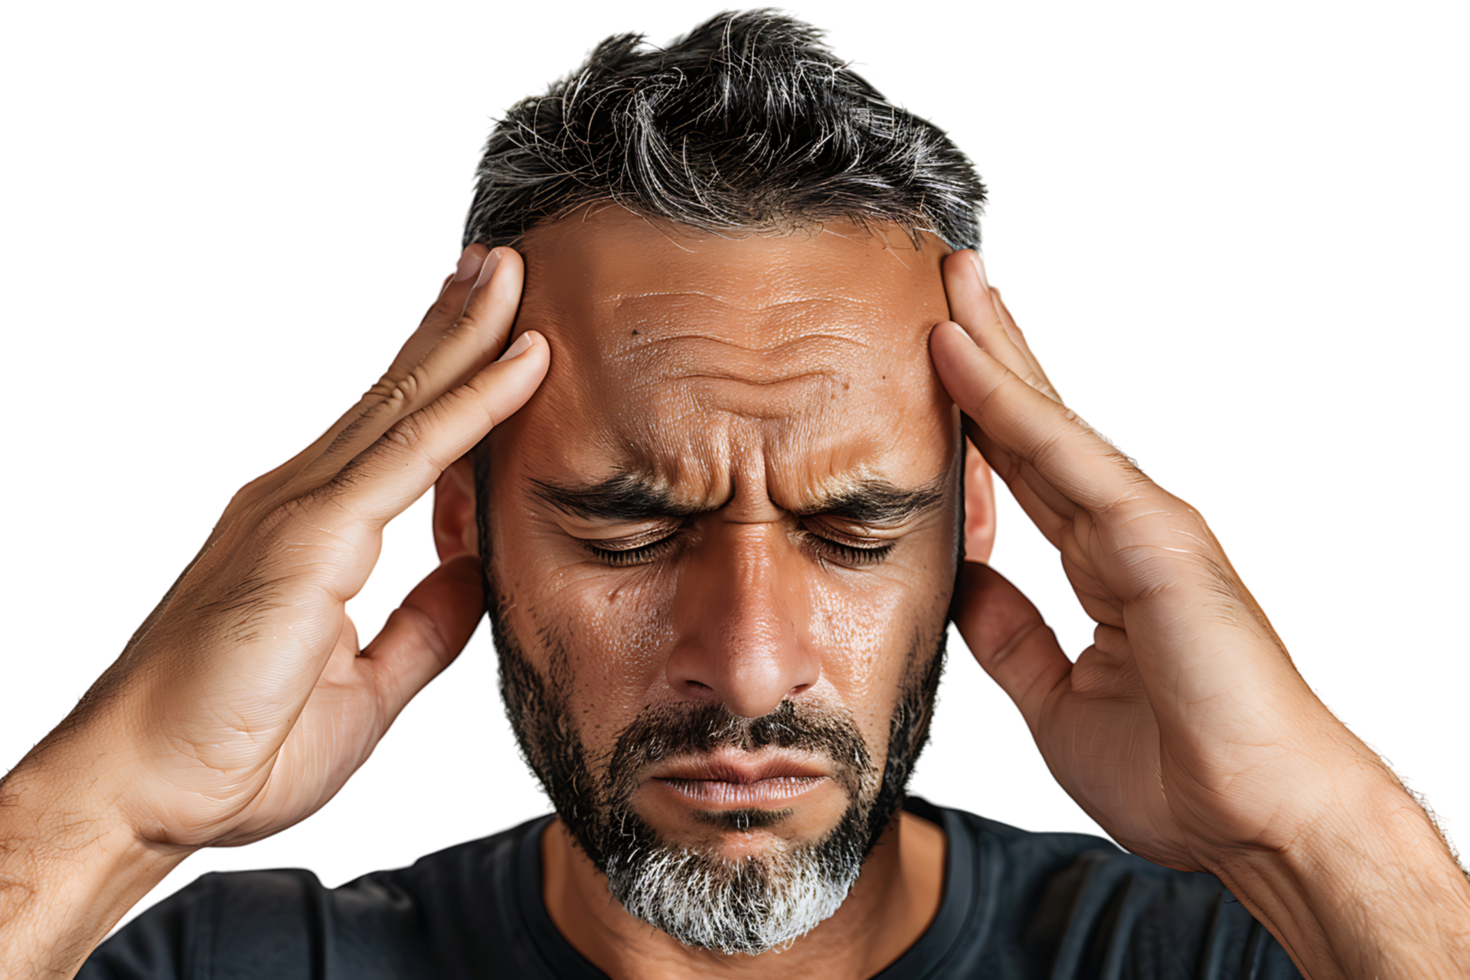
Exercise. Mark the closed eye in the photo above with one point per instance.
(823, 547)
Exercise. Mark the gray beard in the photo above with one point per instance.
(749, 905)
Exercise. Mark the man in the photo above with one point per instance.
(714, 495)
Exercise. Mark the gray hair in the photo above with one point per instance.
(748, 123)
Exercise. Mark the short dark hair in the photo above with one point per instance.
(748, 123)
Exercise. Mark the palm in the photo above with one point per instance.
(250, 751)
(336, 731)
(267, 728)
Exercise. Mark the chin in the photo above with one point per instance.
(746, 880)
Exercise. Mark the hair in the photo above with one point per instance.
(747, 124)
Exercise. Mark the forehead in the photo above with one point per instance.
(681, 354)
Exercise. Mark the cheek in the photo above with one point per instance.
(617, 635)
(601, 638)
(864, 651)
(874, 637)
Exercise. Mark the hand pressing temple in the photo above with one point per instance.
(695, 406)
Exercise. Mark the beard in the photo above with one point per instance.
(702, 899)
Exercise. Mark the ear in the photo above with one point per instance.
(979, 506)
(455, 531)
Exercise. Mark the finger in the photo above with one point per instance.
(397, 470)
(1014, 332)
(1010, 640)
(476, 264)
(425, 634)
(485, 284)
(267, 490)
(437, 359)
(1066, 453)
(972, 305)
(460, 333)
(446, 355)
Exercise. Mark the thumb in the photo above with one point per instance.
(1007, 635)
(424, 634)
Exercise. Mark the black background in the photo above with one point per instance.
(1185, 232)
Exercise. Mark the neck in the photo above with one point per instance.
(891, 904)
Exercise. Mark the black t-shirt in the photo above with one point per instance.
(1016, 904)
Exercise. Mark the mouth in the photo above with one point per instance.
(774, 780)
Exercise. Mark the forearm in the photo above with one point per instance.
(1371, 891)
(69, 868)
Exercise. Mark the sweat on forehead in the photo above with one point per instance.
(674, 348)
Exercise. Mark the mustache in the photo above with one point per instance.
(662, 731)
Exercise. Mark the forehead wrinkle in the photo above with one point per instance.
(625, 307)
(818, 359)
(820, 350)
(782, 347)
(772, 347)
(617, 301)
(709, 464)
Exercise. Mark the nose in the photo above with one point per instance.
(741, 622)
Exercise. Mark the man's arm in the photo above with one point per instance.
(68, 869)
(1371, 891)
(244, 702)
(1185, 730)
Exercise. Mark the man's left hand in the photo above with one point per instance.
(1184, 730)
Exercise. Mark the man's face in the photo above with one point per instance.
(734, 497)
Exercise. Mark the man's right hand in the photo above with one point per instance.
(244, 702)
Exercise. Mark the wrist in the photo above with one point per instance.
(70, 865)
(1367, 888)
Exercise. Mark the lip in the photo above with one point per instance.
(779, 791)
(725, 780)
(768, 780)
(725, 769)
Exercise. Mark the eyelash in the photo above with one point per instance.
(845, 554)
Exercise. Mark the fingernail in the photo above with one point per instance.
(980, 271)
(469, 264)
(488, 269)
(522, 344)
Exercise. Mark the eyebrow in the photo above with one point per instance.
(628, 498)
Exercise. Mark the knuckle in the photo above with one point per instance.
(406, 435)
(395, 389)
(476, 397)
(405, 443)
(393, 395)
(409, 440)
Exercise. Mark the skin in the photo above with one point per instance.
(246, 701)
(758, 388)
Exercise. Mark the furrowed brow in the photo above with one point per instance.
(629, 498)
(878, 502)
(621, 498)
